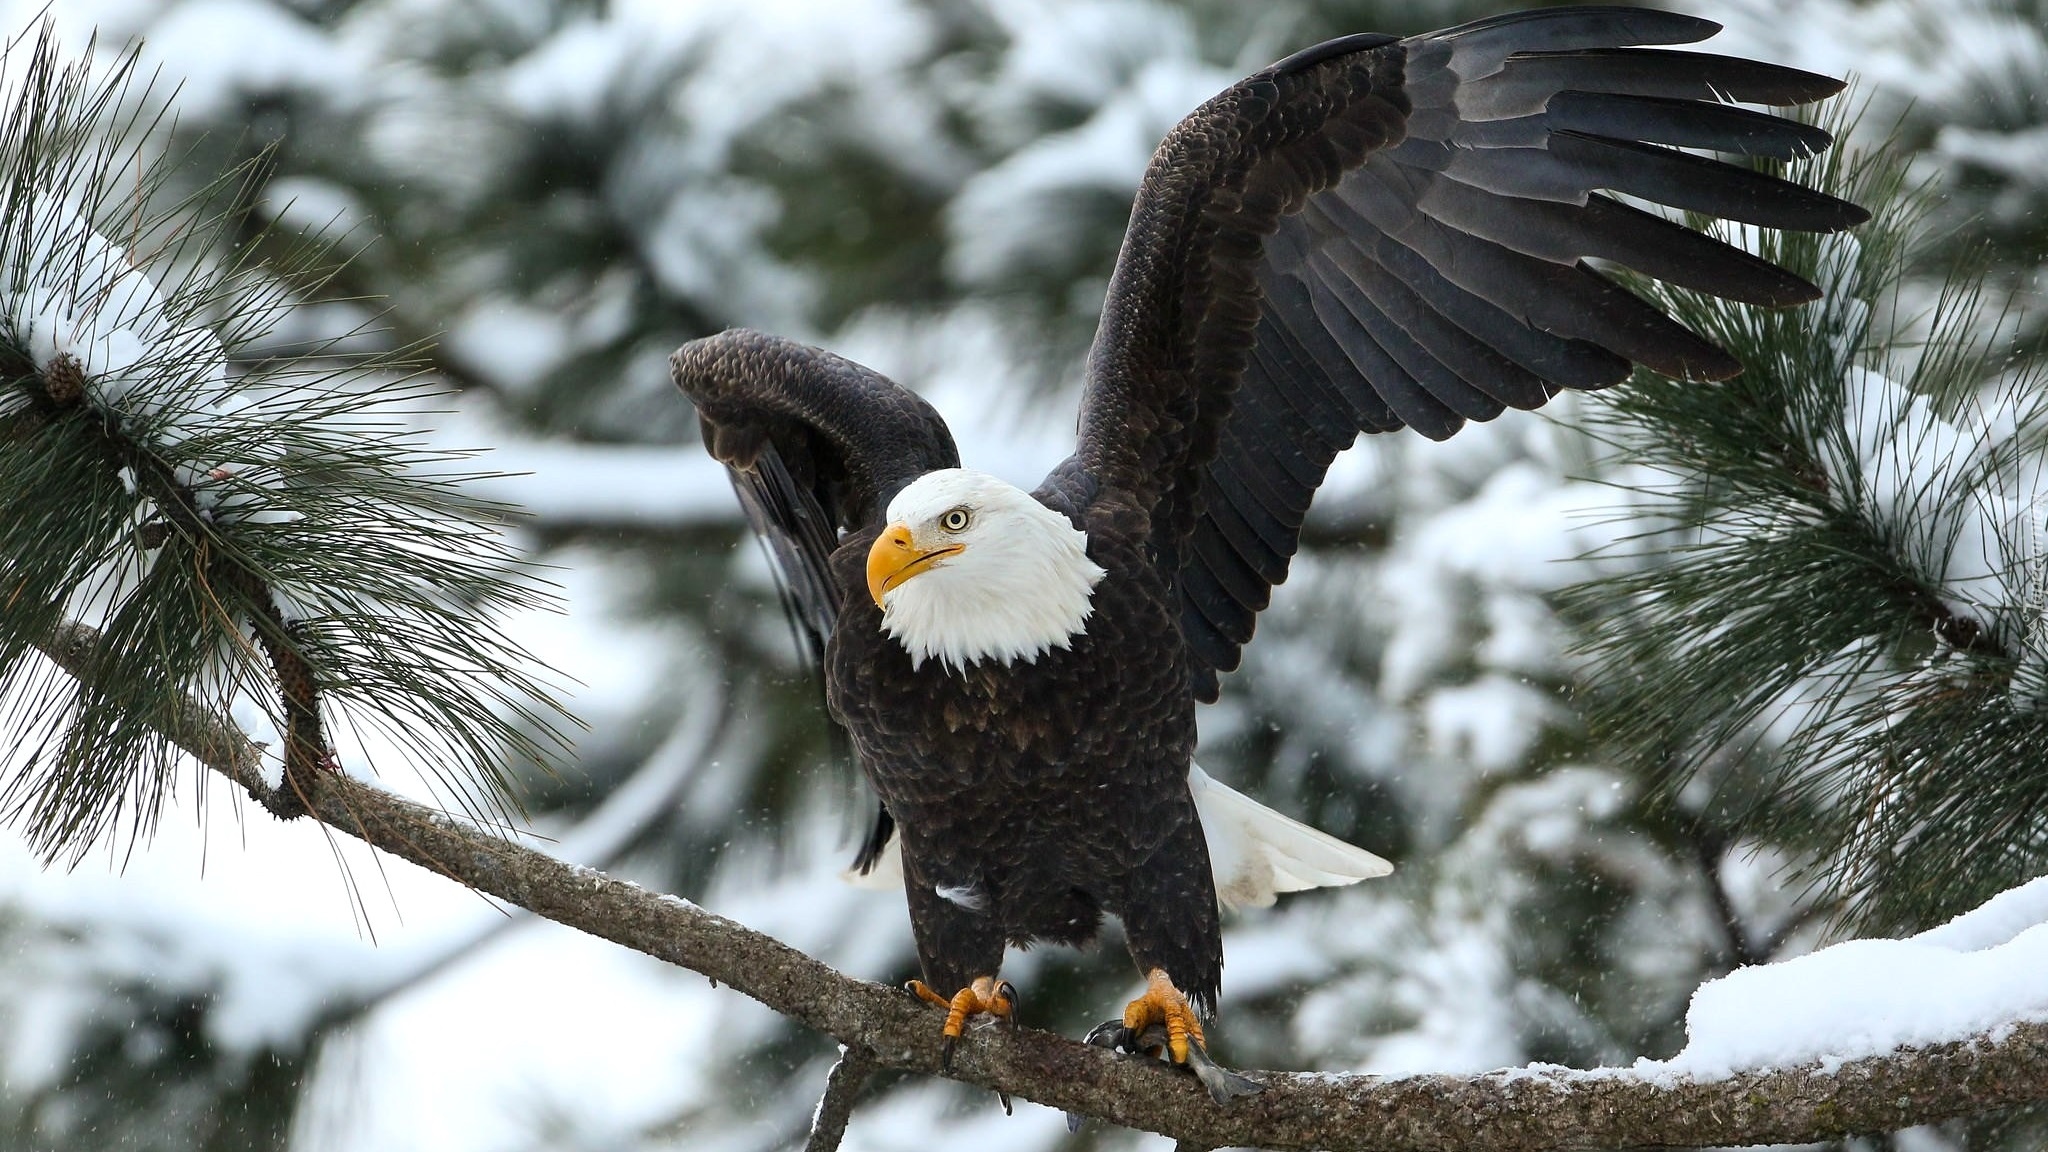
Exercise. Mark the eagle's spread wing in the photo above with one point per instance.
(848, 438)
(1376, 233)
(816, 445)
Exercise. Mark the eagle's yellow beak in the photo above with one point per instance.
(895, 558)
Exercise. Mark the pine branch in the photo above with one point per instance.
(179, 505)
(245, 525)
(1835, 612)
(599, 838)
(1710, 853)
(1524, 1110)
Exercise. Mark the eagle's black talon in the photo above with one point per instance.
(1006, 992)
(945, 1053)
(1107, 1034)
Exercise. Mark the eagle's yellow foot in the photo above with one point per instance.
(1163, 1004)
(1163, 1023)
(986, 996)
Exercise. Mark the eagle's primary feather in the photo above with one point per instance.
(1373, 233)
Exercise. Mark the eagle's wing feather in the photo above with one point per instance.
(791, 523)
(816, 446)
(848, 438)
(1378, 233)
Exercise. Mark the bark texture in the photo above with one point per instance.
(1523, 1110)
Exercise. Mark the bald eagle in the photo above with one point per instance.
(1373, 233)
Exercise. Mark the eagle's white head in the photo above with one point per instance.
(972, 568)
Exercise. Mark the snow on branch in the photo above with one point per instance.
(1972, 976)
(1830, 1087)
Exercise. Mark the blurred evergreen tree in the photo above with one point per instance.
(563, 192)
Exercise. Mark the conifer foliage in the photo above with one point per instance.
(217, 475)
(244, 520)
(1841, 634)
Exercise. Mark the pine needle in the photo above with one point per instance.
(242, 525)
(1834, 637)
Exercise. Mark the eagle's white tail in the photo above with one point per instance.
(1256, 853)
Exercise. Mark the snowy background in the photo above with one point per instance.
(564, 191)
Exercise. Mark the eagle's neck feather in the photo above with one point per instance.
(1008, 598)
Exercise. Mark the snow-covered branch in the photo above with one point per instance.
(1519, 1110)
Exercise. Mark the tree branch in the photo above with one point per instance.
(843, 1087)
(1709, 851)
(1520, 1110)
(599, 838)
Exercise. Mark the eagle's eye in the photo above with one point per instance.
(955, 520)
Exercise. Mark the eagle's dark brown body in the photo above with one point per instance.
(1036, 799)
